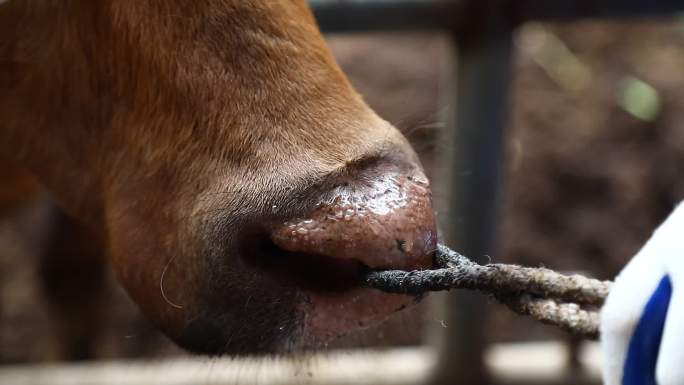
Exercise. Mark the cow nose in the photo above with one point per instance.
(381, 217)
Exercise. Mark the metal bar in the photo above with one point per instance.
(483, 74)
(378, 15)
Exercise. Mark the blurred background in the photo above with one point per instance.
(593, 159)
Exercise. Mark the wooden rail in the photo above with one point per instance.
(510, 364)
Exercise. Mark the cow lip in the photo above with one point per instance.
(308, 272)
(332, 315)
(336, 302)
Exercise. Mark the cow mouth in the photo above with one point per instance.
(308, 272)
(335, 300)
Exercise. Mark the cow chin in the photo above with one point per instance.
(247, 310)
(239, 317)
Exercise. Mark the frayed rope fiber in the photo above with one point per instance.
(569, 302)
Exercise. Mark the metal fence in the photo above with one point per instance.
(482, 41)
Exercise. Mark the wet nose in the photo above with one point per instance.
(381, 216)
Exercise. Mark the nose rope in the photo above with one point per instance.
(570, 302)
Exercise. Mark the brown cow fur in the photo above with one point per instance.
(168, 127)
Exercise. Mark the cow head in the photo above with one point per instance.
(241, 183)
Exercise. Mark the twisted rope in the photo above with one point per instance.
(569, 302)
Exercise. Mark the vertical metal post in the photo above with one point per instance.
(474, 162)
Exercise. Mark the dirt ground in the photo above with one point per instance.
(586, 181)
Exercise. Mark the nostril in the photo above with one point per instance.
(383, 220)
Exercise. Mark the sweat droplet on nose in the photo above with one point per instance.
(386, 223)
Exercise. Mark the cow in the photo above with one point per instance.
(213, 152)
